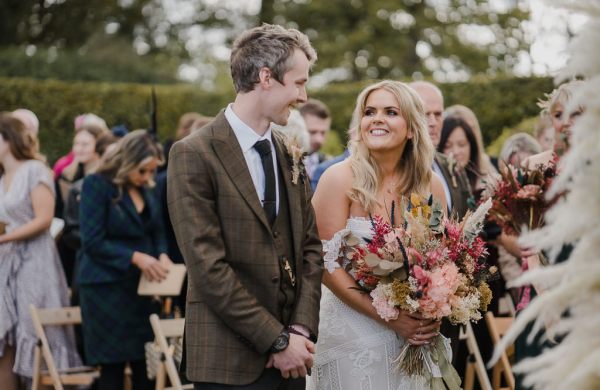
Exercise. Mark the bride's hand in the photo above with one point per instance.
(415, 329)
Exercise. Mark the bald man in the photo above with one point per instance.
(456, 184)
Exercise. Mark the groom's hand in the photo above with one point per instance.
(296, 359)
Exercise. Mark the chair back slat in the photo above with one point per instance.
(172, 327)
(71, 376)
(164, 329)
(62, 316)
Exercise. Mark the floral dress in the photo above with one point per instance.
(30, 273)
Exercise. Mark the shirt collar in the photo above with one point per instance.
(244, 133)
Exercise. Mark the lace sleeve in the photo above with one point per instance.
(332, 250)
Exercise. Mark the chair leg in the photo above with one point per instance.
(160, 376)
(37, 362)
(470, 373)
(496, 377)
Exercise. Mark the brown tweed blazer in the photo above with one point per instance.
(228, 247)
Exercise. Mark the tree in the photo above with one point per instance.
(450, 40)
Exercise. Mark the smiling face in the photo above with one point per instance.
(280, 98)
(84, 145)
(382, 126)
(562, 122)
(144, 173)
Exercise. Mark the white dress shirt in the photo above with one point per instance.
(438, 170)
(311, 162)
(247, 138)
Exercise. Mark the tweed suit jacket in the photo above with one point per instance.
(112, 230)
(232, 313)
(458, 183)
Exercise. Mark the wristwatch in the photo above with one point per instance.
(281, 342)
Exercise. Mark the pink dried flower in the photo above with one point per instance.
(383, 307)
(529, 192)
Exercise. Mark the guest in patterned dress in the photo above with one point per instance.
(30, 270)
(121, 237)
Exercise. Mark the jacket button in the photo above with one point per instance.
(275, 234)
(275, 279)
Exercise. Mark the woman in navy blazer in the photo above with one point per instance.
(121, 237)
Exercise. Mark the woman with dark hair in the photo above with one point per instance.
(122, 237)
(30, 270)
(459, 142)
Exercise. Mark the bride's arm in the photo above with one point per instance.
(332, 209)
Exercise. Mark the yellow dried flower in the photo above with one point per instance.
(486, 296)
(400, 293)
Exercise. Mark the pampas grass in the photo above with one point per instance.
(570, 306)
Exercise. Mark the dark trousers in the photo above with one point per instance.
(112, 376)
(270, 379)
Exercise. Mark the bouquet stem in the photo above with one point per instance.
(429, 361)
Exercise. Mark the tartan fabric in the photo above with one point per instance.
(111, 231)
(115, 322)
(228, 246)
(114, 318)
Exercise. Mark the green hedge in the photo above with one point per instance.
(57, 103)
(499, 104)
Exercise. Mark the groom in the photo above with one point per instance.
(246, 227)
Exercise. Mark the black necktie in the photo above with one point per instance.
(269, 203)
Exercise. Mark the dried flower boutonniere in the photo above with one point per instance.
(452, 166)
(296, 158)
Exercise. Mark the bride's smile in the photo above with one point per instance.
(382, 125)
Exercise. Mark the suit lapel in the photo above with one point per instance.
(292, 192)
(228, 151)
(129, 207)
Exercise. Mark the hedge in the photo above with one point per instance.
(498, 103)
(57, 103)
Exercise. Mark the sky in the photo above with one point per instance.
(549, 29)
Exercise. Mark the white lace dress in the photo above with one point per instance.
(354, 351)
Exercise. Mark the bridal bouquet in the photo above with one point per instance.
(518, 196)
(429, 265)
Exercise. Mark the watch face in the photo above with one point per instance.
(281, 342)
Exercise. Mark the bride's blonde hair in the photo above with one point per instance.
(414, 166)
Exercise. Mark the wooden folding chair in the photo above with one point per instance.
(52, 376)
(164, 330)
(475, 364)
(498, 326)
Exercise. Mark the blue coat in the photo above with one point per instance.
(115, 317)
(111, 231)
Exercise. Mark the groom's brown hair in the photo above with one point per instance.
(268, 46)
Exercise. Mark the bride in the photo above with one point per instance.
(391, 157)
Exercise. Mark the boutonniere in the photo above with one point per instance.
(452, 167)
(296, 158)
